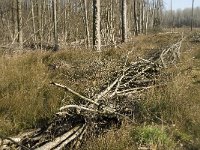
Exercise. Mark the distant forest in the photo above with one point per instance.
(182, 17)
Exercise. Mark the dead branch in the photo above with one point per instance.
(75, 93)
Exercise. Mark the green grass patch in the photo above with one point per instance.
(152, 136)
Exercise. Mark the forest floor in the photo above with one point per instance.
(170, 116)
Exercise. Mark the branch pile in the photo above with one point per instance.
(195, 38)
(73, 124)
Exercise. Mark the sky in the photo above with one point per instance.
(176, 4)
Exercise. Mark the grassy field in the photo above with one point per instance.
(169, 116)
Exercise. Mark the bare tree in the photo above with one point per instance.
(56, 46)
(33, 20)
(14, 18)
(96, 25)
(124, 21)
(146, 16)
(86, 24)
(67, 21)
(19, 23)
(135, 16)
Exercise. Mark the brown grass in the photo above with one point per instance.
(26, 98)
(28, 101)
(175, 105)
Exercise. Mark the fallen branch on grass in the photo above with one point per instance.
(73, 122)
(75, 93)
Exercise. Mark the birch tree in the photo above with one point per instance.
(86, 23)
(135, 16)
(96, 25)
(14, 18)
(55, 34)
(33, 21)
(124, 21)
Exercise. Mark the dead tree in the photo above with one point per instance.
(33, 20)
(135, 16)
(86, 24)
(124, 21)
(19, 23)
(39, 22)
(96, 25)
(56, 46)
(14, 18)
(146, 16)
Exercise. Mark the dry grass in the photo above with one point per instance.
(113, 140)
(175, 105)
(27, 100)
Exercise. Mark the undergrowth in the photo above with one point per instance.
(168, 118)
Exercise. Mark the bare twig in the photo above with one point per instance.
(75, 93)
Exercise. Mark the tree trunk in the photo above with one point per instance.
(19, 23)
(96, 25)
(112, 23)
(86, 24)
(135, 17)
(55, 34)
(39, 22)
(33, 21)
(147, 17)
(14, 18)
(142, 16)
(124, 21)
(65, 22)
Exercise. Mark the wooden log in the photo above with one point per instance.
(59, 140)
(68, 140)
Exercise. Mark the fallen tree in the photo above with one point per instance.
(73, 124)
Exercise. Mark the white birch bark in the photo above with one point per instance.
(96, 25)
(55, 34)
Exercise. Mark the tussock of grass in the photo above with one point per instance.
(113, 140)
(26, 97)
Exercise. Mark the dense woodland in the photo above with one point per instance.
(99, 75)
(42, 22)
(39, 23)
